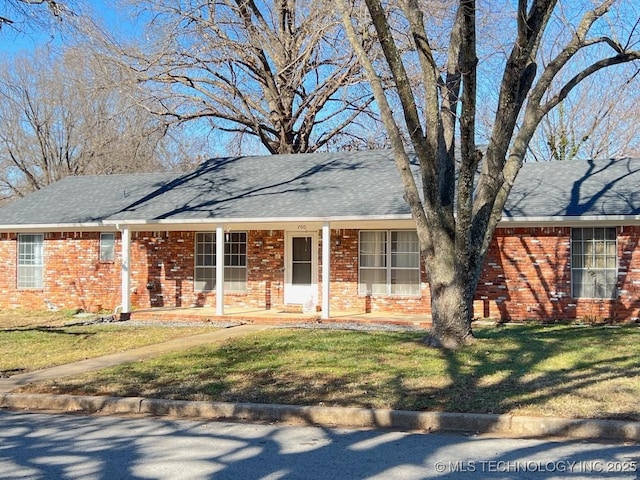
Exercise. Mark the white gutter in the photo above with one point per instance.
(568, 220)
(51, 227)
(199, 221)
(505, 222)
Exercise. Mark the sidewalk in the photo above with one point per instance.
(428, 422)
(148, 351)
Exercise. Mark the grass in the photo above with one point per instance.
(569, 371)
(31, 341)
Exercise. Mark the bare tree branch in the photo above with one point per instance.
(59, 116)
(277, 70)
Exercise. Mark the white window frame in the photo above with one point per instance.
(107, 247)
(30, 264)
(387, 263)
(235, 260)
(594, 263)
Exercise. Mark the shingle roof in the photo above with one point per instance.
(320, 185)
(277, 186)
(576, 188)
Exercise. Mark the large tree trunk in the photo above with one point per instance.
(451, 306)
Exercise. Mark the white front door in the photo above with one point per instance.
(301, 270)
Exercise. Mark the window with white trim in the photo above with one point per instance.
(594, 262)
(235, 262)
(107, 247)
(389, 262)
(30, 260)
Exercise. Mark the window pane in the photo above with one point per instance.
(587, 234)
(301, 249)
(30, 249)
(389, 262)
(576, 248)
(107, 247)
(594, 262)
(30, 261)
(373, 281)
(599, 261)
(235, 260)
(405, 260)
(235, 279)
(205, 249)
(301, 274)
(236, 249)
(577, 261)
(30, 276)
(603, 285)
(405, 282)
(373, 249)
(405, 251)
(205, 279)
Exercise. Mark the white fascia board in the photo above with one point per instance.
(58, 227)
(262, 222)
(568, 221)
(336, 222)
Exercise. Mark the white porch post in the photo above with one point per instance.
(326, 268)
(219, 270)
(126, 271)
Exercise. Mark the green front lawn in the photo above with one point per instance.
(569, 371)
(35, 340)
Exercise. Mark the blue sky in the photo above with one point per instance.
(17, 38)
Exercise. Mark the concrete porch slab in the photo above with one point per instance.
(276, 316)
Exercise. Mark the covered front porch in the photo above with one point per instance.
(270, 271)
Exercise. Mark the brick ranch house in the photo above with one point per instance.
(317, 232)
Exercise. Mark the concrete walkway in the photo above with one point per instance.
(141, 353)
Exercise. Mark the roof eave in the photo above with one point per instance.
(365, 221)
(56, 227)
(569, 220)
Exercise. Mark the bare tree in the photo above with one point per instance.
(595, 122)
(28, 14)
(61, 116)
(463, 195)
(277, 75)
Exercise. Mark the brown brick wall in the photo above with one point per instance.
(74, 277)
(527, 275)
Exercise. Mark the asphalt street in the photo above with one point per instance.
(61, 446)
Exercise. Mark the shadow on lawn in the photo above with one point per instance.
(507, 368)
(488, 380)
(56, 330)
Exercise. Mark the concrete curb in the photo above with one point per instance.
(507, 425)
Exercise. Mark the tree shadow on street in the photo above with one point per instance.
(63, 446)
